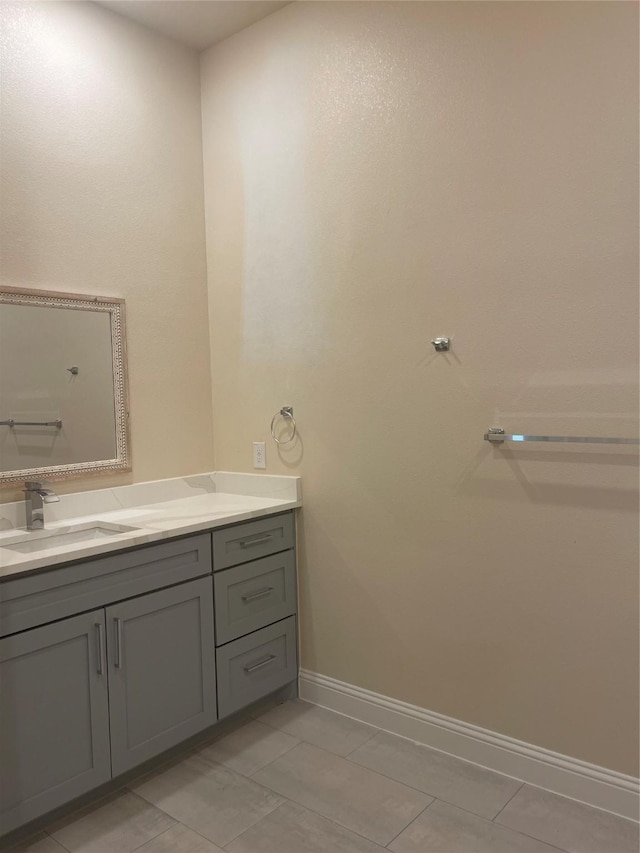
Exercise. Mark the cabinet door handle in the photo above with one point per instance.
(252, 667)
(100, 637)
(118, 651)
(259, 593)
(247, 543)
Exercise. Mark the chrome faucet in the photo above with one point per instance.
(35, 497)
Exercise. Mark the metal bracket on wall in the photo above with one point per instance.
(441, 344)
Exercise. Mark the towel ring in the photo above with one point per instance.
(287, 413)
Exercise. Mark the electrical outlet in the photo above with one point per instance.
(259, 454)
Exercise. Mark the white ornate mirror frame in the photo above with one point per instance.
(116, 311)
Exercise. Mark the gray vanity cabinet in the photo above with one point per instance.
(98, 690)
(106, 663)
(54, 716)
(162, 685)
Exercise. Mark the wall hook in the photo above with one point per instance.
(442, 344)
(73, 370)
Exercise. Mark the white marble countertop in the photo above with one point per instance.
(158, 510)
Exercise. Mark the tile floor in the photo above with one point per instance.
(301, 779)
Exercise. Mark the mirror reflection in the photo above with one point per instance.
(62, 385)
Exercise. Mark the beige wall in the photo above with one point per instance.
(102, 194)
(378, 174)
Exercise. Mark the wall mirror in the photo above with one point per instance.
(63, 385)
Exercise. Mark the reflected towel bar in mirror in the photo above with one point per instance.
(496, 435)
(11, 423)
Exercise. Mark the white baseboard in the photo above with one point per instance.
(596, 786)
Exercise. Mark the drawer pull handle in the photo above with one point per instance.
(252, 667)
(247, 543)
(100, 636)
(118, 626)
(259, 593)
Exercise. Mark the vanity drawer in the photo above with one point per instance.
(255, 594)
(256, 665)
(251, 540)
(43, 597)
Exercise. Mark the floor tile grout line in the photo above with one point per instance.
(84, 810)
(289, 800)
(425, 746)
(519, 831)
(268, 787)
(429, 793)
(302, 740)
(213, 764)
(163, 767)
(495, 817)
(535, 838)
(153, 805)
(224, 846)
(268, 764)
(384, 776)
(375, 772)
(219, 763)
(332, 821)
(428, 748)
(371, 736)
(488, 820)
(56, 840)
(275, 728)
(525, 834)
(347, 757)
(404, 828)
(30, 838)
(153, 837)
(200, 835)
(465, 809)
(325, 817)
(420, 745)
(253, 825)
(330, 711)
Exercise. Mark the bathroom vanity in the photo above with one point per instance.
(108, 660)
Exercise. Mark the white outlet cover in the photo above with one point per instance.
(259, 454)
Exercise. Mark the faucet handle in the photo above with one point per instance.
(47, 495)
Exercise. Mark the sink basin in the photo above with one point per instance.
(42, 540)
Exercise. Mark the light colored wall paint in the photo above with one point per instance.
(102, 194)
(375, 175)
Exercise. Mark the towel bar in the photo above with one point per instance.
(496, 435)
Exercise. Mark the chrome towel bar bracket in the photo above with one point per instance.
(496, 435)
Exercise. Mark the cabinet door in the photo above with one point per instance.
(54, 726)
(161, 671)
